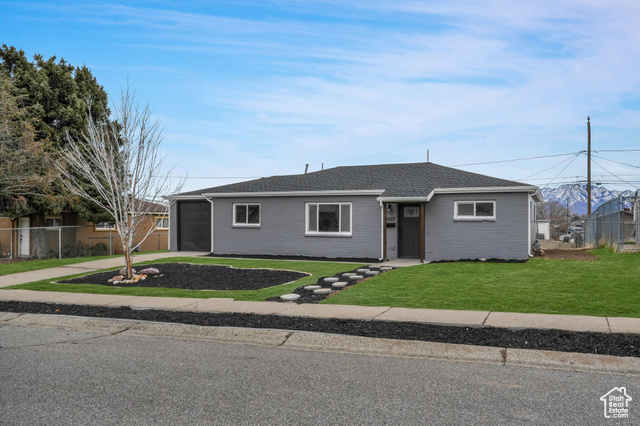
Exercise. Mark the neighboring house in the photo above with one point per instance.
(63, 231)
(418, 210)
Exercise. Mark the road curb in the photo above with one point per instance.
(324, 342)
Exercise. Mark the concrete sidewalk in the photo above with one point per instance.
(432, 316)
(220, 305)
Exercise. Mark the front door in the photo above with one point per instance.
(409, 230)
(23, 237)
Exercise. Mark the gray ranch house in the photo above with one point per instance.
(419, 210)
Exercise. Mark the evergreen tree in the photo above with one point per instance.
(52, 96)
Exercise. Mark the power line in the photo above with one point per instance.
(565, 167)
(542, 171)
(613, 174)
(515, 159)
(617, 162)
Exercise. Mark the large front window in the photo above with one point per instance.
(328, 218)
(246, 215)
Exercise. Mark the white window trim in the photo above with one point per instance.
(245, 224)
(163, 218)
(99, 229)
(474, 218)
(328, 234)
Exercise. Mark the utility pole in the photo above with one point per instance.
(588, 166)
(567, 215)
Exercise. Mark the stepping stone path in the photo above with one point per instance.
(322, 290)
(290, 297)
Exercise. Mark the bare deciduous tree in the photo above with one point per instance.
(117, 165)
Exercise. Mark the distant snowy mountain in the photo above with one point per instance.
(577, 195)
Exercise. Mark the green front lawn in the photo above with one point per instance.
(316, 269)
(609, 286)
(34, 265)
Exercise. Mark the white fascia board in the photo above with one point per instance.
(185, 197)
(403, 199)
(293, 193)
(534, 190)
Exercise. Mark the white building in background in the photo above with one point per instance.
(544, 228)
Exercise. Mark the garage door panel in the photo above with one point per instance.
(194, 226)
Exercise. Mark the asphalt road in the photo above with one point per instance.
(50, 376)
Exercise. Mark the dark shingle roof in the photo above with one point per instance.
(397, 180)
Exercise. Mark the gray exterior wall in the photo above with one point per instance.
(173, 226)
(282, 228)
(505, 238)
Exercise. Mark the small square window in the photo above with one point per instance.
(246, 215)
(162, 222)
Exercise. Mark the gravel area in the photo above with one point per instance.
(190, 276)
(554, 340)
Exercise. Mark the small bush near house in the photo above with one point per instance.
(100, 249)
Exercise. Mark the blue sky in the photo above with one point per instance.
(259, 88)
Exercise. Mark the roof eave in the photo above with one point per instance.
(293, 193)
(533, 190)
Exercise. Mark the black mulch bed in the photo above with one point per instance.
(199, 277)
(364, 260)
(554, 340)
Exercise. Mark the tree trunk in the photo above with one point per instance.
(39, 236)
(127, 261)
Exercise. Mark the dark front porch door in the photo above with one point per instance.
(409, 230)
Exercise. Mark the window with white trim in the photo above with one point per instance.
(328, 219)
(246, 215)
(475, 210)
(162, 222)
(104, 226)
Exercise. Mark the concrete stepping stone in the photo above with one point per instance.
(290, 297)
(322, 291)
(339, 284)
(349, 274)
(373, 273)
(356, 277)
(362, 271)
(312, 287)
(386, 268)
(331, 279)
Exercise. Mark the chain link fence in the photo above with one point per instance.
(70, 241)
(615, 224)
